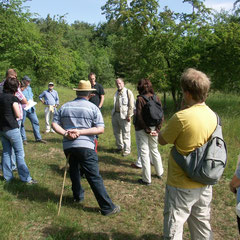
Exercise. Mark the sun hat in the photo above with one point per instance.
(27, 78)
(84, 86)
(51, 83)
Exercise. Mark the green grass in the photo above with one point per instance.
(30, 212)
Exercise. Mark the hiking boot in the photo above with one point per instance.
(116, 210)
(41, 141)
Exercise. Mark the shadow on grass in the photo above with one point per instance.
(57, 233)
(106, 159)
(32, 192)
(40, 194)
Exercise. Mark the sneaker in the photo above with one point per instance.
(31, 182)
(47, 131)
(117, 209)
(133, 165)
(124, 154)
(25, 142)
(41, 141)
(140, 181)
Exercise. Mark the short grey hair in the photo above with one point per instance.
(83, 93)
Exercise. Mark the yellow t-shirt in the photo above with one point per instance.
(188, 129)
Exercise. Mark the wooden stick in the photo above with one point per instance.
(64, 179)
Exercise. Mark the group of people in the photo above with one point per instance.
(80, 121)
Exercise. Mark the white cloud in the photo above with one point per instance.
(219, 5)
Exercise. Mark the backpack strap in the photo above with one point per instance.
(145, 98)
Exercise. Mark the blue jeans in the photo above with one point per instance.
(32, 116)
(11, 140)
(86, 160)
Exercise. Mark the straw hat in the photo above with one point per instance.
(84, 86)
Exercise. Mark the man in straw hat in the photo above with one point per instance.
(78, 121)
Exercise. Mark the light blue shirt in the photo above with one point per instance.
(79, 114)
(50, 97)
(27, 92)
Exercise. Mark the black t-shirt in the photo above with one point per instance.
(7, 117)
(100, 91)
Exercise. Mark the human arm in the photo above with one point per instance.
(161, 140)
(58, 129)
(101, 101)
(16, 110)
(41, 97)
(234, 184)
(130, 105)
(89, 131)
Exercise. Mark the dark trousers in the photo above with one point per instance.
(85, 160)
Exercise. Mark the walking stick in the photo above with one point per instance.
(64, 178)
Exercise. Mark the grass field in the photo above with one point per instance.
(30, 212)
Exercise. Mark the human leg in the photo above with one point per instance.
(126, 135)
(22, 129)
(144, 153)
(199, 219)
(15, 140)
(6, 158)
(177, 208)
(139, 161)
(156, 157)
(47, 117)
(35, 124)
(117, 130)
(89, 164)
(74, 171)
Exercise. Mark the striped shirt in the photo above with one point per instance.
(79, 114)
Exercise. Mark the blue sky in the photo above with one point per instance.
(90, 10)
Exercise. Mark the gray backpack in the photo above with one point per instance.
(206, 163)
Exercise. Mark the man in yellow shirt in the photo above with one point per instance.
(186, 200)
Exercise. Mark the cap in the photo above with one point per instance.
(27, 78)
(51, 83)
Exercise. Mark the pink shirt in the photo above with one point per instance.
(20, 97)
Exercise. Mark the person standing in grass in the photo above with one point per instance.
(11, 73)
(78, 121)
(96, 98)
(30, 114)
(185, 199)
(51, 100)
(147, 143)
(10, 133)
(121, 117)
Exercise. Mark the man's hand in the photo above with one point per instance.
(128, 119)
(73, 134)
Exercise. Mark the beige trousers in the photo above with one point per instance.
(191, 205)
